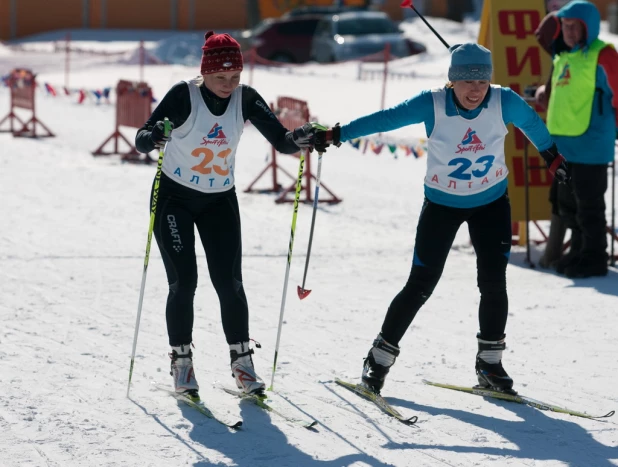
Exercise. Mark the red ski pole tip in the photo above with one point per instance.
(302, 293)
(406, 4)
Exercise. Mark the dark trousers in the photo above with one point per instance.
(581, 205)
(490, 232)
(217, 219)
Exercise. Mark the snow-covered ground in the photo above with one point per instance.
(72, 241)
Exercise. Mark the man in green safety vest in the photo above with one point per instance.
(581, 117)
(549, 37)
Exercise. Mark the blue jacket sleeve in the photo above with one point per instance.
(515, 110)
(417, 109)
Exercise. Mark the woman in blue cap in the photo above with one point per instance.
(466, 181)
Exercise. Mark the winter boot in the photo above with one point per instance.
(573, 255)
(553, 249)
(378, 363)
(489, 370)
(243, 371)
(587, 267)
(182, 370)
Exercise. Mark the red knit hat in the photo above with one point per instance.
(221, 52)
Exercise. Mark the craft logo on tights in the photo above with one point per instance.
(171, 222)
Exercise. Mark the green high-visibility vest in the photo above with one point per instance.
(573, 83)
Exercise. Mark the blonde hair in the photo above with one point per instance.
(449, 85)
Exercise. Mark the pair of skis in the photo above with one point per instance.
(258, 400)
(379, 401)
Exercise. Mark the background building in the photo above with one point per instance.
(20, 18)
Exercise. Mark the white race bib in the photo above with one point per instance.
(466, 157)
(201, 153)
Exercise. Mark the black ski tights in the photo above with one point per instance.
(490, 231)
(216, 216)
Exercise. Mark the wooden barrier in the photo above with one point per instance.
(292, 113)
(22, 83)
(133, 108)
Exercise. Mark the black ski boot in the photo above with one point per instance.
(378, 363)
(489, 370)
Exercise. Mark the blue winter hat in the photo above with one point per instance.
(469, 62)
(586, 12)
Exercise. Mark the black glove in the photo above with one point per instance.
(304, 136)
(158, 134)
(556, 164)
(324, 138)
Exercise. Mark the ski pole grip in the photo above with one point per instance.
(555, 165)
(167, 126)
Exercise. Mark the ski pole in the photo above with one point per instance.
(153, 209)
(299, 180)
(302, 292)
(409, 3)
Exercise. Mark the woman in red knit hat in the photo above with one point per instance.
(197, 189)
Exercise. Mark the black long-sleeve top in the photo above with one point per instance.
(176, 106)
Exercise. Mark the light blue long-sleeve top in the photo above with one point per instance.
(419, 109)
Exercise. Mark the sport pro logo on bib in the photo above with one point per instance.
(472, 169)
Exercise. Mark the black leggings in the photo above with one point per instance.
(490, 232)
(217, 219)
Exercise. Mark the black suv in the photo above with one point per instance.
(321, 10)
(287, 39)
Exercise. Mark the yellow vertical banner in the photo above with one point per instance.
(507, 29)
(484, 38)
